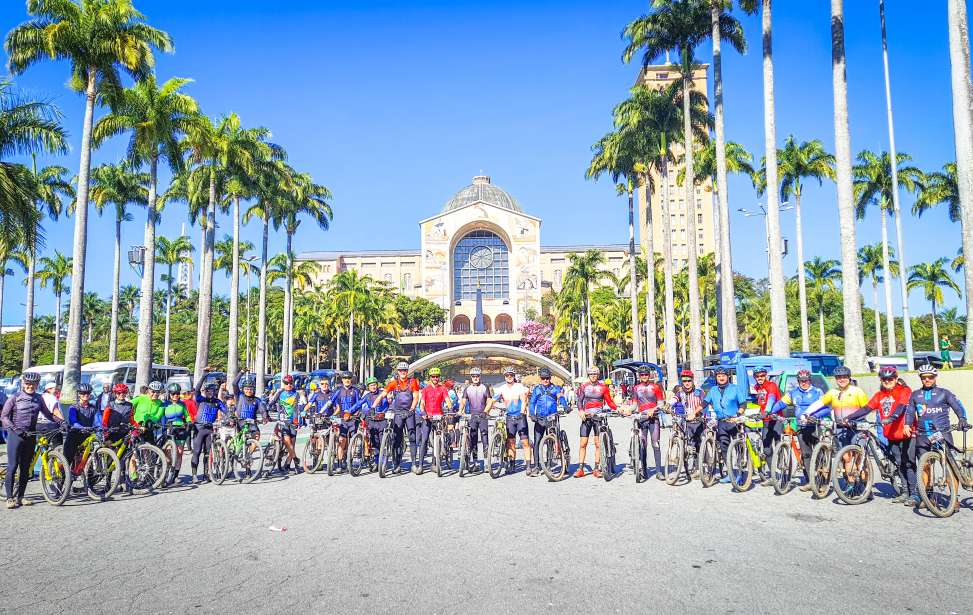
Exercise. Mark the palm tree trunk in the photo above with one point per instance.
(780, 337)
(903, 291)
(878, 322)
(29, 317)
(72, 359)
(821, 326)
(2, 279)
(801, 276)
(307, 355)
(633, 284)
(651, 326)
(669, 327)
(233, 333)
(57, 327)
(706, 349)
(143, 348)
(317, 351)
(724, 274)
(587, 315)
(165, 345)
(959, 62)
(337, 349)
(935, 327)
(692, 262)
(889, 315)
(571, 350)
(205, 313)
(361, 355)
(351, 338)
(289, 305)
(116, 273)
(853, 334)
(261, 358)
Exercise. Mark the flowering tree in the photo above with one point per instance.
(536, 337)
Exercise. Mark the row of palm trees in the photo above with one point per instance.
(655, 129)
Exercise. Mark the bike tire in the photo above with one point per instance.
(170, 452)
(314, 451)
(356, 454)
(55, 478)
(819, 474)
(385, 455)
(607, 461)
(738, 465)
(271, 456)
(218, 466)
(857, 488)
(941, 493)
(675, 453)
(464, 453)
(553, 460)
(332, 453)
(150, 469)
(102, 474)
(251, 461)
(707, 461)
(782, 468)
(635, 457)
(498, 444)
(566, 448)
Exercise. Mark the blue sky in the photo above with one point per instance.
(396, 105)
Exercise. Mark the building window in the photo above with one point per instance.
(488, 270)
(407, 281)
(699, 217)
(557, 277)
(388, 278)
(461, 324)
(504, 323)
(662, 75)
(486, 324)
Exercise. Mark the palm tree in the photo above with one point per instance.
(797, 162)
(93, 308)
(156, 116)
(350, 291)
(9, 252)
(940, 187)
(959, 63)
(171, 252)
(822, 275)
(874, 184)
(854, 333)
(682, 25)
(932, 278)
(55, 270)
(98, 38)
(117, 185)
(871, 265)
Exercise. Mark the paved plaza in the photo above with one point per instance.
(422, 544)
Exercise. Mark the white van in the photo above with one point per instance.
(112, 372)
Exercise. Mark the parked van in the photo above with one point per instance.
(112, 372)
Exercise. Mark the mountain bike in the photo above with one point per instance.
(852, 475)
(144, 465)
(465, 449)
(606, 463)
(675, 450)
(744, 456)
(96, 465)
(386, 454)
(442, 452)
(822, 457)
(498, 455)
(242, 450)
(334, 437)
(55, 473)
(275, 452)
(316, 448)
(710, 456)
(173, 450)
(941, 471)
(554, 456)
(358, 453)
(785, 458)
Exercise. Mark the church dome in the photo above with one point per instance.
(482, 191)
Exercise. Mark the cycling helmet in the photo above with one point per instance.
(402, 365)
(721, 370)
(760, 370)
(510, 371)
(121, 387)
(174, 388)
(474, 371)
(803, 374)
(84, 388)
(841, 371)
(312, 386)
(608, 380)
(248, 383)
(31, 378)
(288, 379)
(155, 386)
(435, 371)
(686, 373)
(644, 370)
(345, 375)
(887, 372)
(371, 380)
(544, 373)
(210, 386)
(928, 370)
(593, 370)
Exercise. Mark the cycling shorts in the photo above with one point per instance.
(348, 428)
(587, 426)
(517, 425)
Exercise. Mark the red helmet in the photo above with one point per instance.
(887, 372)
(288, 379)
(686, 373)
(121, 387)
(804, 374)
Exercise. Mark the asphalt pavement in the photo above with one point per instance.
(422, 544)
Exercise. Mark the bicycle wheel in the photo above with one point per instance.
(332, 453)
(553, 459)
(102, 474)
(708, 468)
(782, 467)
(938, 484)
(674, 460)
(172, 471)
(738, 465)
(251, 461)
(464, 453)
(635, 457)
(55, 478)
(385, 461)
(272, 456)
(852, 479)
(965, 464)
(219, 462)
(607, 462)
(145, 469)
(820, 471)
(314, 451)
(498, 447)
(565, 449)
(356, 454)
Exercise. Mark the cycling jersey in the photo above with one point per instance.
(343, 401)
(891, 407)
(725, 401)
(287, 402)
(20, 412)
(647, 395)
(117, 414)
(249, 408)
(929, 410)
(544, 400)
(85, 416)
(476, 396)
(687, 403)
(433, 396)
(147, 410)
(174, 413)
(511, 396)
(845, 405)
(368, 400)
(594, 396)
(768, 394)
(799, 398)
(319, 401)
(404, 393)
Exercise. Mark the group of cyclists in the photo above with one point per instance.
(908, 422)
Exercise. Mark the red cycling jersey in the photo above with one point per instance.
(891, 404)
(433, 397)
(647, 395)
(593, 396)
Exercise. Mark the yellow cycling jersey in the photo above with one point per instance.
(845, 403)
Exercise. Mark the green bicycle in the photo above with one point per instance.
(240, 449)
(744, 457)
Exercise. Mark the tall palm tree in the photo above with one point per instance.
(99, 38)
(854, 333)
(932, 278)
(56, 270)
(874, 184)
(682, 25)
(822, 275)
(117, 185)
(93, 308)
(959, 63)
(10, 252)
(871, 266)
(797, 162)
(128, 299)
(940, 187)
(350, 291)
(171, 252)
(156, 116)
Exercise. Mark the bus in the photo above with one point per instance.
(112, 372)
(48, 373)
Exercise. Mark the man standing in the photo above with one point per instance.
(405, 398)
(512, 395)
(647, 394)
(725, 401)
(593, 396)
(477, 399)
(434, 396)
(544, 401)
(688, 401)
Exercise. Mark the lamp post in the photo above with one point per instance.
(136, 259)
(785, 206)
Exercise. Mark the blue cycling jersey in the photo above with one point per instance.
(929, 409)
(344, 400)
(724, 402)
(800, 399)
(544, 400)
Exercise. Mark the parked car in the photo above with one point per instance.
(823, 363)
(900, 362)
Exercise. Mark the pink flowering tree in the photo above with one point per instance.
(536, 337)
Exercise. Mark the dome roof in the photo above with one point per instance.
(482, 191)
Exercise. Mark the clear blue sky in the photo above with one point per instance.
(396, 105)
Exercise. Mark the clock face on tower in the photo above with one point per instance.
(481, 257)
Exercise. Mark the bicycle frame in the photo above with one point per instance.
(948, 452)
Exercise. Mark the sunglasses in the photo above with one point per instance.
(687, 379)
(545, 377)
(927, 377)
(889, 379)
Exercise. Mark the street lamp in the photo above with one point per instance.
(136, 259)
(785, 206)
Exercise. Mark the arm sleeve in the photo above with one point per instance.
(531, 405)
(608, 398)
(6, 413)
(781, 404)
(956, 405)
(236, 382)
(859, 414)
(817, 405)
(104, 418)
(73, 417)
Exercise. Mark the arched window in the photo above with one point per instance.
(504, 323)
(480, 260)
(461, 324)
(486, 323)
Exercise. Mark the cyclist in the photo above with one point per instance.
(374, 415)
(647, 395)
(592, 398)
(405, 397)
(19, 418)
(82, 415)
(118, 416)
(286, 400)
(476, 400)
(248, 406)
(687, 402)
(209, 409)
(544, 401)
(725, 401)
(175, 413)
(512, 396)
(848, 404)
(766, 396)
(801, 397)
(147, 410)
(49, 428)
(929, 410)
(434, 397)
(344, 402)
(891, 402)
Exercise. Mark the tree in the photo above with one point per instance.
(871, 266)
(932, 278)
(417, 314)
(171, 252)
(854, 334)
(822, 275)
(874, 184)
(940, 187)
(98, 38)
(55, 271)
(9, 252)
(797, 162)
(117, 185)
(350, 291)
(157, 116)
(536, 337)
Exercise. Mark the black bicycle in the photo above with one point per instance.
(710, 457)
(852, 475)
(602, 430)
(554, 455)
(941, 471)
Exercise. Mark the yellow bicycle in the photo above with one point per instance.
(145, 465)
(97, 465)
(55, 475)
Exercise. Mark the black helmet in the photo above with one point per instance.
(544, 373)
(84, 388)
(841, 371)
(248, 383)
(174, 388)
(721, 370)
(644, 370)
(345, 375)
(31, 378)
(210, 386)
